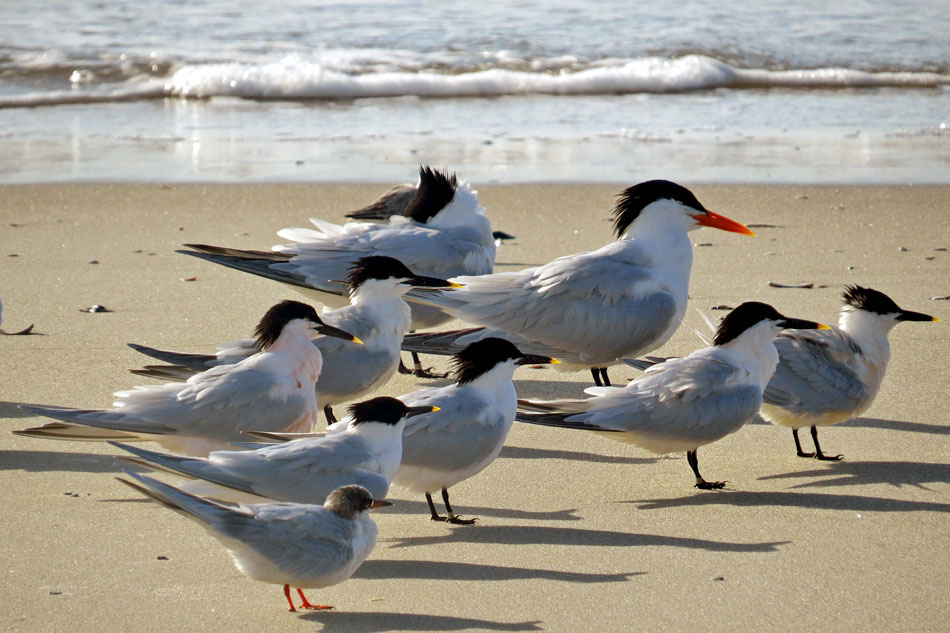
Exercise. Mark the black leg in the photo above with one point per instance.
(603, 373)
(798, 445)
(328, 412)
(596, 375)
(448, 510)
(402, 367)
(420, 372)
(701, 483)
(435, 516)
(818, 453)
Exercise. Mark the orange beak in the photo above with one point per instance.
(722, 223)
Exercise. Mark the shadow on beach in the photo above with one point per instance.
(818, 501)
(436, 570)
(382, 622)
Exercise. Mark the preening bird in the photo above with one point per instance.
(270, 390)
(377, 314)
(589, 309)
(687, 402)
(831, 376)
(304, 470)
(290, 544)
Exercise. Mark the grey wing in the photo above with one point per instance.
(464, 431)
(350, 370)
(814, 375)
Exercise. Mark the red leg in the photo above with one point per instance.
(287, 595)
(305, 604)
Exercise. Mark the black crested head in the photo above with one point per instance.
(742, 318)
(436, 189)
(635, 199)
(480, 357)
(348, 501)
(384, 409)
(375, 267)
(869, 300)
(274, 320)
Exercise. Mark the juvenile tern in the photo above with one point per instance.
(475, 414)
(589, 309)
(301, 471)
(377, 314)
(273, 389)
(290, 544)
(687, 402)
(828, 377)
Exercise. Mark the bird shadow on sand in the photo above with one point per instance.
(379, 622)
(813, 500)
(845, 473)
(47, 461)
(435, 570)
(878, 423)
(522, 452)
(549, 389)
(422, 509)
(544, 535)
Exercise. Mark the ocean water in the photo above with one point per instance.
(176, 90)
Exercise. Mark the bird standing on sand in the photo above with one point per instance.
(828, 377)
(273, 389)
(687, 402)
(304, 470)
(290, 544)
(377, 314)
(589, 309)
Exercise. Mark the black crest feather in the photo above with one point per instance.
(436, 189)
(383, 409)
(742, 318)
(869, 300)
(375, 267)
(274, 320)
(634, 199)
(480, 357)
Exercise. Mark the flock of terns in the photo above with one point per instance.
(290, 503)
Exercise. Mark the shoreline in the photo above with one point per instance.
(575, 531)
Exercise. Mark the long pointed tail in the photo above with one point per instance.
(189, 505)
(191, 467)
(197, 362)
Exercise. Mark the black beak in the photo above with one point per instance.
(907, 315)
(534, 359)
(329, 330)
(801, 324)
(501, 235)
(420, 281)
(414, 411)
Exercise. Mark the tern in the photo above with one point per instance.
(273, 389)
(290, 544)
(475, 414)
(300, 471)
(828, 377)
(589, 309)
(687, 402)
(377, 314)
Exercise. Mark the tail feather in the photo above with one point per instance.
(645, 362)
(184, 503)
(173, 373)
(77, 432)
(191, 467)
(260, 266)
(276, 437)
(439, 343)
(114, 420)
(558, 420)
(198, 362)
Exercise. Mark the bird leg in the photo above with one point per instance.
(420, 372)
(328, 412)
(818, 454)
(451, 518)
(305, 604)
(798, 445)
(701, 483)
(600, 376)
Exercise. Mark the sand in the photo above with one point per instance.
(576, 532)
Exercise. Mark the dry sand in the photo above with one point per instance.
(576, 532)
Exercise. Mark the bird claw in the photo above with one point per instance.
(827, 458)
(806, 455)
(427, 373)
(711, 485)
(460, 521)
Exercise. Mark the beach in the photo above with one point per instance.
(575, 532)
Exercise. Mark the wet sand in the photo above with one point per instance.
(576, 532)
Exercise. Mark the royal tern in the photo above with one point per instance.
(377, 314)
(589, 309)
(273, 389)
(300, 471)
(687, 402)
(290, 544)
(828, 377)
(467, 433)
